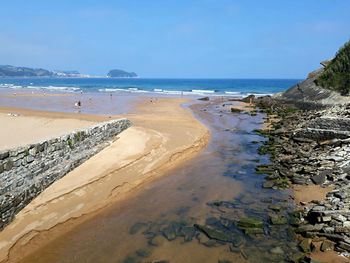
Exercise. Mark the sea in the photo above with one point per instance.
(185, 87)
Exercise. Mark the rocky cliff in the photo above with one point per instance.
(323, 87)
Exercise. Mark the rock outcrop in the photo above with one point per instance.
(324, 87)
(308, 95)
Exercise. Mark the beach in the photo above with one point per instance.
(184, 166)
(184, 179)
(163, 135)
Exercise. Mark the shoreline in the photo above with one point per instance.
(165, 148)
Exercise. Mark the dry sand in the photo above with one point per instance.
(18, 130)
(164, 134)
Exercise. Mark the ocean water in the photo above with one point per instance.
(208, 87)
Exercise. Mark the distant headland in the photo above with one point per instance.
(118, 73)
(13, 71)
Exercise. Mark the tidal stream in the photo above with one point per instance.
(211, 209)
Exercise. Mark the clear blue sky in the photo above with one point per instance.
(163, 38)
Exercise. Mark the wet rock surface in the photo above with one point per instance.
(312, 148)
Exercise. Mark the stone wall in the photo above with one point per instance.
(26, 171)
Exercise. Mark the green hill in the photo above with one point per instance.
(11, 71)
(336, 75)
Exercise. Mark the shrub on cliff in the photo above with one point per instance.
(336, 75)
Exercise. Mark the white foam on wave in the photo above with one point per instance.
(10, 86)
(233, 92)
(203, 91)
(112, 90)
(57, 88)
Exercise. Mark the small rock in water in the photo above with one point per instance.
(188, 233)
(277, 251)
(156, 241)
(143, 253)
(169, 233)
(275, 207)
(268, 184)
(250, 222)
(278, 220)
(137, 227)
(130, 259)
(213, 233)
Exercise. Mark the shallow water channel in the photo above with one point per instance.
(211, 209)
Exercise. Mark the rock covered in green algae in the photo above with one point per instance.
(264, 169)
(278, 220)
(268, 184)
(276, 208)
(253, 231)
(173, 230)
(214, 234)
(249, 222)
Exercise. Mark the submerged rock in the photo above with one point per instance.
(143, 253)
(278, 220)
(250, 222)
(137, 227)
(277, 251)
(214, 234)
(188, 233)
(157, 241)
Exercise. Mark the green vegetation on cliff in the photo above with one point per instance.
(336, 75)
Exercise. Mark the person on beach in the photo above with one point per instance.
(78, 104)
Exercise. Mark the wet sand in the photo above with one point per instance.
(308, 193)
(164, 134)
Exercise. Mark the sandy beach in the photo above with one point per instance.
(164, 134)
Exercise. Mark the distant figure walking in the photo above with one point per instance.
(78, 104)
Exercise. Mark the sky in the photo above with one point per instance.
(175, 39)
